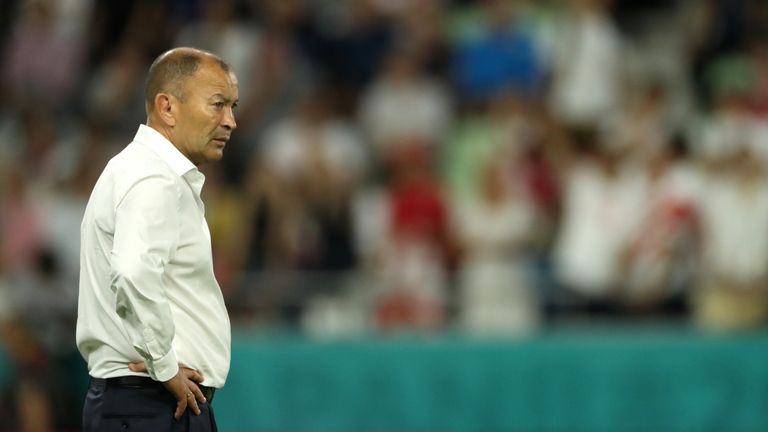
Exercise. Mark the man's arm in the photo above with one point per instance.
(146, 235)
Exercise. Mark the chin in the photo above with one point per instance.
(214, 156)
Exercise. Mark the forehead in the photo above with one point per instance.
(210, 79)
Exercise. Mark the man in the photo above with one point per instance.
(151, 318)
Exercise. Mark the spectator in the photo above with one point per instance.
(506, 124)
(420, 29)
(37, 328)
(403, 104)
(732, 293)
(40, 35)
(225, 214)
(587, 75)
(21, 231)
(219, 30)
(495, 232)
(601, 208)
(662, 259)
(350, 45)
(317, 161)
(418, 252)
(643, 127)
(115, 94)
(278, 77)
(497, 54)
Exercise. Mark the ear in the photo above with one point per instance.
(165, 108)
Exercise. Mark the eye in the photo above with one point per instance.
(218, 105)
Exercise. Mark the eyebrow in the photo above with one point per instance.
(224, 98)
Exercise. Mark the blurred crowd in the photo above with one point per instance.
(487, 166)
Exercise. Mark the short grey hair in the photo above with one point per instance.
(171, 69)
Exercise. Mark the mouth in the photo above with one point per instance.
(222, 141)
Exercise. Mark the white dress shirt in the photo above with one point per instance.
(147, 288)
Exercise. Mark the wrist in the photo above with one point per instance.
(163, 368)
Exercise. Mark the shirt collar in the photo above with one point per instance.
(163, 148)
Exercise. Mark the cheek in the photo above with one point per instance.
(216, 121)
(205, 131)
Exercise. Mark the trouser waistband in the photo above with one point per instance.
(145, 382)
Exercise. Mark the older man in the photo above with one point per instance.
(152, 324)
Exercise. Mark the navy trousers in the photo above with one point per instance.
(140, 409)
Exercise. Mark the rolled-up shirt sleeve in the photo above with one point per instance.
(146, 234)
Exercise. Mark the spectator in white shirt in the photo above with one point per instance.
(588, 67)
(495, 229)
(733, 291)
(404, 103)
(152, 323)
(602, 203)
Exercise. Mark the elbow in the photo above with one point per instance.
(127, 273)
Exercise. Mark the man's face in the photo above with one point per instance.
(205, 118)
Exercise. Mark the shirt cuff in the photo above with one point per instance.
(164, 368)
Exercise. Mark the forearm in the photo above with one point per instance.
(147, 320)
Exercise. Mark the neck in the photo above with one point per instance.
(159, 126)
(167, 132)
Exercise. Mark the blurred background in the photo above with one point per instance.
(435, 215)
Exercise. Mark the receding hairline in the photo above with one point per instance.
(170, 70)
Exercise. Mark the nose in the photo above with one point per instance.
(228, 122)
